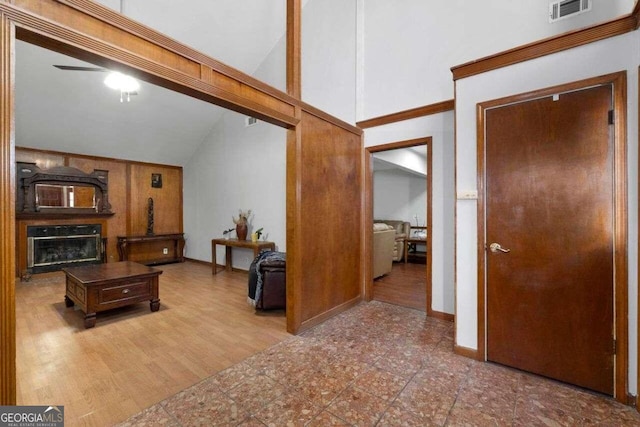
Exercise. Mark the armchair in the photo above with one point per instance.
(383, 248)
(402, 232)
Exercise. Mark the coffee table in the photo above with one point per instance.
(101, 287)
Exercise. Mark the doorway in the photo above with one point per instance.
(553, 215)
(409, 282)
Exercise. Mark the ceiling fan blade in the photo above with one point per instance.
(78, 68)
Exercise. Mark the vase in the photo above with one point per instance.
(254, 237)
(241, 231)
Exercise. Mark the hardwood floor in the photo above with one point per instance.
(404, 286)
(134, 358)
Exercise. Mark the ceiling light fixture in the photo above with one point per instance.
(125, 84)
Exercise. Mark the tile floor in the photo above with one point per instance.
(379, 365)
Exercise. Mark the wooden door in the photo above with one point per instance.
(549, 203)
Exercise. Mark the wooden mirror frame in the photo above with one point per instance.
(29, 176)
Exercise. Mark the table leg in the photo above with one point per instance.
(90, 320)
(406, 250)
(228, 258)
(214, 261)
(68, 302)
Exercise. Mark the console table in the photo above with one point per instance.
(152, 249)
(235, 243)
(412, 241)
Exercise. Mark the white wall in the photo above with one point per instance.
(410, 47)
(401, 196)
(236, 167)
(440, 128)
(607, 56)
(406, 158)
(329, 57)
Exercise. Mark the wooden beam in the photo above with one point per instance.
(294, 37)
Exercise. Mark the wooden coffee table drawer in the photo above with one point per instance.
(100, 287)
(124, 291)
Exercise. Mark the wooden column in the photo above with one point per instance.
(7, 219)
(294, 67)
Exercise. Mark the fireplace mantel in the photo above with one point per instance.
(60, 192)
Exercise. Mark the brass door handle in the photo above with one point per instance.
(495, 247)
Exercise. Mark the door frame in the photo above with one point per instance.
(620, 291)
(368, 253)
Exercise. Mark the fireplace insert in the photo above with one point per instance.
(53, 247)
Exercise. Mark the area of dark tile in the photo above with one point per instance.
(379, 365)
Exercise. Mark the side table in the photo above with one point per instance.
(235, 243)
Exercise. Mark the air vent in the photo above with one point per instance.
(567, 8)
(250, 121)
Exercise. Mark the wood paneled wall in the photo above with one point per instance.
(327, 269)
(167, 201)
(129, 190)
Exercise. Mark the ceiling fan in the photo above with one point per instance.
(78, 68)
(127, 85)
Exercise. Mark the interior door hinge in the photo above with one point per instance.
(611, 117)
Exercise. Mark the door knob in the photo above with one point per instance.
(495, 247)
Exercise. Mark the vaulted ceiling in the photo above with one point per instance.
(73, 111)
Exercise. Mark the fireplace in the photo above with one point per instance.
(53, 247)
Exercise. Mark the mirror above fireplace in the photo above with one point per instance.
(61, 190)
(65, 196)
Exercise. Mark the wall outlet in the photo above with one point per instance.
(467, 195)
(165, 251)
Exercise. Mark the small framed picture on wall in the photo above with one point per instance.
(156, 180)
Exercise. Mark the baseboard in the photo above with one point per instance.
(310, 323)
(441, 315)
(197, 261)
(467, 352)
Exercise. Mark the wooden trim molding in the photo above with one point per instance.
(548, 46)
(636, 13)
(400, 144)
(294, 216)
(7, 218)
(468, 352)
(439, 107)
(442, 316)
(294, 55)
(638, 274)
(621, 232)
